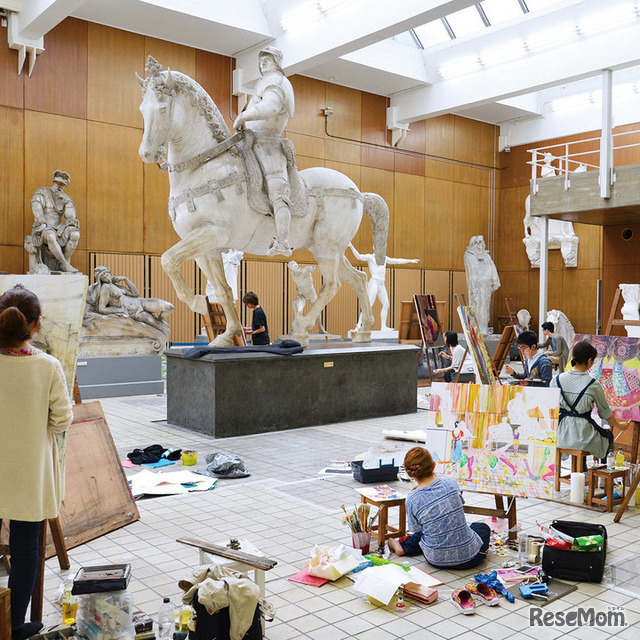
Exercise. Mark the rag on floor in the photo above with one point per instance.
(218, 587)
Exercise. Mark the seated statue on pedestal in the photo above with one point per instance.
(55, 231)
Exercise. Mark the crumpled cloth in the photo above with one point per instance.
(218, 587)
(491, 580)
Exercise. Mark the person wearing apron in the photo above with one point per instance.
(579, 393)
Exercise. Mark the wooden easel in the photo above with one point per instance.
(513, 316)
(423, 303)
(509, 334)
(409, 330)
(618, 322)
(215, 323)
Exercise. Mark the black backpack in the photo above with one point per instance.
(216, 626)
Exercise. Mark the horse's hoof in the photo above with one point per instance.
(362, 336)
(302, 339)
(221, 341)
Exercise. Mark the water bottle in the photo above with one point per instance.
(166, 620)
(611, 461)
(620, 461)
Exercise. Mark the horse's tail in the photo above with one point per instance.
(378, 213)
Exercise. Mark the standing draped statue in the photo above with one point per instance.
(482, 280)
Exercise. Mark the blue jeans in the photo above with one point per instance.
(411, 547)
(23, 548)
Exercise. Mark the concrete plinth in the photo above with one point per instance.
(234, 394)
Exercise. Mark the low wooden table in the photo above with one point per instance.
(609, 476)
(384, 529)
(499, 512)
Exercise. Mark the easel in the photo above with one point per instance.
(409, 330)
(618, 322)
(509, 334)
(215, 323)
(423, 304)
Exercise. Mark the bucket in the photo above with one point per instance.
(189, 457)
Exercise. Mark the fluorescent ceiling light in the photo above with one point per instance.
(499, 11)
(504, 52)
(465, 22)
(459, 66)
(551, 38)
(432, 33)
(535, 5)
(615, 16)
(625, 91)
(294, 18)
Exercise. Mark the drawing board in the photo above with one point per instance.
(477, 346)
(496, 439)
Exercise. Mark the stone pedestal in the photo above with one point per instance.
(235, 393)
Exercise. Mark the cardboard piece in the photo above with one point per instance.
(557, 589)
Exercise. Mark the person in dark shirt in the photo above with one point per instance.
(259, 330)
(538, 369)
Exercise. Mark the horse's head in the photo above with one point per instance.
(158, 110)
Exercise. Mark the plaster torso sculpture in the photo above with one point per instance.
(376, 287)
(266, 116)
(631, 307)
(303, 280)
(524, 318)
(562, 325)
(482, 280)
(561, 233)
(55, 231)
(219, 201)
(231, 260)
(119, 322)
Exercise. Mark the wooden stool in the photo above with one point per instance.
(383, 528)
(608, 500)
(578, 464)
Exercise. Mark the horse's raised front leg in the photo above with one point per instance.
(302, 324)
(213, 269)
(195, 244)
(357, 280)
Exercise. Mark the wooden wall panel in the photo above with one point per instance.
(377, 158)
(114, 193)
(439, 136)
(416, 139)
(380, 182)
(11, 84)
(579, 291)
(409, 163)
(159, 233)
(465, 220)
(55, 142)
(113, 94)
(342, 312)
(133, 267)
(406, 283)
(350, 170)
(268, 280)
(213, 72)
(311, 98)
(309, 146)
(59, 81)
(184, 323)
(474, 142)
(340, 151)
(439, 224)
(11, 259)
(346, 121)
(514, 285)
(11, 176)
(510, 253)
(409, 217)
(170, 55)
(374, 118)
(459, 285)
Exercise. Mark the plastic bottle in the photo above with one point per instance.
(400, 606)
(611, 461)
(620, 462)
(166, 620)
(69, 605)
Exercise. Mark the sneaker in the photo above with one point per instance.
(483, 592)
(463, 600)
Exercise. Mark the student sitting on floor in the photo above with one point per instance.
(435, 513)
(537, 366)
(579, 393)
(456, 353)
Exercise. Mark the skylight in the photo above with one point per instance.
(499, 11)
(465, 22)
(432, 33)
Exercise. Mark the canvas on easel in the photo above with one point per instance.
(430, 328)
(477, 345)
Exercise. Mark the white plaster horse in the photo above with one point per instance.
(214, 198)
(562, 325)
(561, 236)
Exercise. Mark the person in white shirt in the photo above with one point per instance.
(456, 354)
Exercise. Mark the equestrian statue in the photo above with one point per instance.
(243, 191)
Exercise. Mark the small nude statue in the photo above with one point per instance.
(306, 291)
(111, 295)
(231, 259)
(482, 280)
(55, 233)
(376, 286)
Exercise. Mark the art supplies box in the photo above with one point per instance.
(381, 473)
(101, 579)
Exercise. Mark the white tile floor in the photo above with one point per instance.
(285, 508)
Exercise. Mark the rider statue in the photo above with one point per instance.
(266, 116)
(55, 231)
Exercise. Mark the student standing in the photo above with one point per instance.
(34, 406)
(259, 330)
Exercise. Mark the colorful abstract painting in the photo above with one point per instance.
(617, 369)
(477, 346)
(429, 323)
(502, 438)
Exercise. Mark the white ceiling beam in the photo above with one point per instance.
(347, 28)
(38, 17)
(583, 58)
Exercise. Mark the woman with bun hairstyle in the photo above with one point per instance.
(34, 405)
(579, 393)
(435, 513)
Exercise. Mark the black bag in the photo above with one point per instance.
(581, 566)
(216, 626)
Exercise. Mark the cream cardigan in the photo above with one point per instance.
(34, 404)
